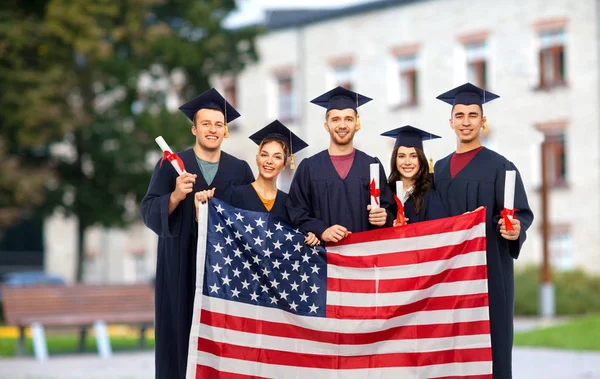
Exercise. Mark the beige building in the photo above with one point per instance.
(541, 57)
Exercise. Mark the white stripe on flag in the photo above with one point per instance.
(312, 347)
(470, 287)
(343, 326)
(475, 258)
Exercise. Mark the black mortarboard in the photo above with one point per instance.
(467, 94)
(409, 136)
(210, 99)
(340, 98)
(278, 130)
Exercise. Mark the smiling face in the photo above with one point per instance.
(466, 121)
(209, 129)
(407, 162)
(271, 158)
(341, 125)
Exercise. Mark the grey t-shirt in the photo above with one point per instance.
(208, 169)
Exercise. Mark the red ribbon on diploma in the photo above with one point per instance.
(172, 157)
(374, 191)
(400, 220)
(505, 213)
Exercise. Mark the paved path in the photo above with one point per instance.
(527, 364)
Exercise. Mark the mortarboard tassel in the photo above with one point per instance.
(292, 165)
(357, 125)
(430, 165)
(226, 133)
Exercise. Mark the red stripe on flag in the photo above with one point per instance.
(408, 332)
(279, 357)
(387, 312)
(409, 257)
(206, 372)
(407, 284)
(426, 228)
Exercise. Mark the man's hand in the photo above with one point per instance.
(510, 235)
(311, 239)
(334, 233)
(183, 185)
(377, 216)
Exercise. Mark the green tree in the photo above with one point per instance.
(73, 78)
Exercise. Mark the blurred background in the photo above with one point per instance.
(86, 86)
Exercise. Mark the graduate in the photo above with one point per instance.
(471, 177)
(276, 144)
(330, 193)
(168, 209)
(408, 164)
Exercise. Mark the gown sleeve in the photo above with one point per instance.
(155, 204)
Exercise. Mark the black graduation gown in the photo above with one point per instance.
(432, 208)
(245, 197)
(319, 198)
(481, 183)
(176, 257)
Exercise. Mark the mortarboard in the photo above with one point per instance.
(210, 99)
(341, 98)
(409, 136)
(467, 94)
(278, 130)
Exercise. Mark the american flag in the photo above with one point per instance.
(404, 302)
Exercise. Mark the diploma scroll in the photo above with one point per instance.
(374, 185)
(169, 155)
(509, 199)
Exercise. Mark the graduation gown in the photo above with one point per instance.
(432, 208)
(245, 197)
(481, 183)
(176, 257)
(319, 198)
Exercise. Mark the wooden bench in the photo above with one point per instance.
(80, 306)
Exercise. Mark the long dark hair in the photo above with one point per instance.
(423, 179)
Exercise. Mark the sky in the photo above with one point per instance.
(253, 11)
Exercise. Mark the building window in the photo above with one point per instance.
(230, 92)
(560, 248)
(231, 95)
(477, 63)
(552, 59)
(407, 66)
(285, 98)
(344, 76)
(556, 159)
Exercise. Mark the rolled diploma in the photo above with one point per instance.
(163, 145)
(374, 168)
(509, 190)
(400, 190)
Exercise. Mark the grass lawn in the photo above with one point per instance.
(579, 334)
(68, 342)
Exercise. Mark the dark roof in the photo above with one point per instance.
(288, 18)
